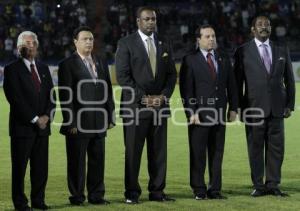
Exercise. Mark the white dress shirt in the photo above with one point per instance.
(144, 38)
(204, 52)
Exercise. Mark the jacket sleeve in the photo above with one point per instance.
(123, 70)
(171, 75)
(13, 92)
(187, 88)
(289, 82)
(110, 105)
(239, 76)
(231, 88)
(50, 110)
(65, 83)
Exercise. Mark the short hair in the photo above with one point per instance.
(204, 26)
(144, 8)
(80, 29)
(257, 17)
(20, 40)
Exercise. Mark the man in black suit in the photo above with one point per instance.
(28, 89)
(85, 93)
(266, 95)
(146, 72)
(207, 84)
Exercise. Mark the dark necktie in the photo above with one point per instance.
(211, 66)
(35, 78)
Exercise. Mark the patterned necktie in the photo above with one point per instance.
(90, 68)
(152, 55)
(211, 66)
(35, 78)
(266, 57)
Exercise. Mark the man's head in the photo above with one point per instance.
(27, 45)
(83, 40)
(261, 28)
(146, 20)
(206, 37)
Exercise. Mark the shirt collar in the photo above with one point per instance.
(205, 52)
(145, 37)
(258, 43)
(27, 62)
(84, 57)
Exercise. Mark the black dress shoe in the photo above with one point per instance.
(258, 193)
(100, 201)
(76, 202)
(132, 201)
(25, 208)
(162, 198)
(40, 206)
(215, 195)
(277, 192)
(200, 196)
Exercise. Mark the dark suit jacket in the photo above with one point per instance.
(270, 92)
(199, 91)
(134, 70)
(25, 102)
(72, 71)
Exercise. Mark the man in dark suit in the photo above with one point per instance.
(85, 93)
(28, 89)
(207, 84)
(146, 72)
(266, 95)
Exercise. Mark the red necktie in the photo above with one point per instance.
(211, 66)
(35, 78)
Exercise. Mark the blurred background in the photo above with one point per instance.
(54, 22)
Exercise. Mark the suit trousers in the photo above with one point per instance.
(203, 141)
(24, 149)
(265, 142)
(135, 134)
(77, 148)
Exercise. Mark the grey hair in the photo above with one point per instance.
(26, 33)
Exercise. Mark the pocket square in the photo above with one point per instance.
(165, 54)
(281, 58)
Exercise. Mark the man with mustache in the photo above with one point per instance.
(266, 88)
(146, 72)
(85, 94)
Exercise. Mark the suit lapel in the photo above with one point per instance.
(274, 51)
(27, 74)
(41, 74)
(143, 53)
(219, 69)
(255, 52)
(81, 66)
(158, 45)
(203, 67)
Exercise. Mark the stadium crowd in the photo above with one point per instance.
(178, 19)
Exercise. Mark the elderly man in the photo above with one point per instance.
(28, 89)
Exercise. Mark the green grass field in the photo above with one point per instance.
(236, 176)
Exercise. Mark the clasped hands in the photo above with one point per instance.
(42, 121)
(194, 119)
(153, 101)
